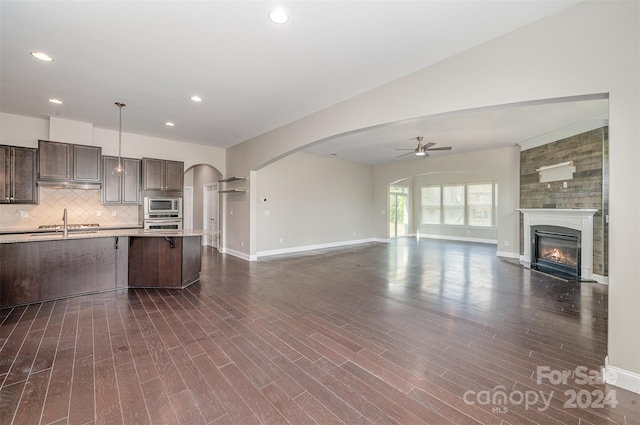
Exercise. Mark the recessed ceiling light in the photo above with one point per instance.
(169, 124)
(56, 101)
(42, 56)
(278, 16)
(196, 98)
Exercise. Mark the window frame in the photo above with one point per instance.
(465, 206)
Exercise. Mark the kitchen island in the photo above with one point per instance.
(36, 267)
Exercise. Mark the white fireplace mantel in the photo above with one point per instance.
(577, 219)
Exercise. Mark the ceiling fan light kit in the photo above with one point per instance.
(421, 150)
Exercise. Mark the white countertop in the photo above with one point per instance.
(54, 236)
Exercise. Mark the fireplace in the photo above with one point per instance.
(556, 250)
(574, 222)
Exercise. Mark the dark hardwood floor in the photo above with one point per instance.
(408, 332)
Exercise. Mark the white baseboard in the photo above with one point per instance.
(600, 279)
(312, 247)
(507, 254)
(459, 238)
(238, 254)
(622, 378)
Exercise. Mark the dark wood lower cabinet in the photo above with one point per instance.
(44, 270)
(165, 262)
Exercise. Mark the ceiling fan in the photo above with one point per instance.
(421, 150)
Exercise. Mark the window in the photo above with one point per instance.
(480, 204)
(453, 204)
(470, 204)
(431, 204)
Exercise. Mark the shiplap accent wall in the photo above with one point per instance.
(587, 189)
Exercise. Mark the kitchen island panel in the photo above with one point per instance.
(191, 259)
(164, 261)
(155, 262)
(47, 270)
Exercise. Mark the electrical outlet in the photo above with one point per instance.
(23, 214)
(113, 213)
(281, 240)
(98, 213)
(241, 243)
(506, 243)
(267, 212)
(231, 212)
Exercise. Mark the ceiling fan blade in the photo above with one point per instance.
(428, 145)
(405, 154)
(398, 149)
(447, 148)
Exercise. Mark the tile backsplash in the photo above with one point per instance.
(83, 206)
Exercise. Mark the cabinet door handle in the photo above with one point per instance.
(13, 177)
(170, 240)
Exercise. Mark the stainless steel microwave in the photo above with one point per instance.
(162, 207)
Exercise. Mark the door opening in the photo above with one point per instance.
(398, 211)
(210, 215)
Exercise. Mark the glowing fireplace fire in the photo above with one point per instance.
(555, 255)
(556, 250)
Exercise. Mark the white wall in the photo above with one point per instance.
(590, 48)
(25, 131)
(17, 130)
(313, 200)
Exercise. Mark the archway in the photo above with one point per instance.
(201, 210)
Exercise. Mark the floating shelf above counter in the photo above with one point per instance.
(232, 189)
(231, 179)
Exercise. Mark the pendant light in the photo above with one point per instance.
(119, 169)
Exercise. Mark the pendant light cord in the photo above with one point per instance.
(119, 169)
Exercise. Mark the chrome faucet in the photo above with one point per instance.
(65, 229)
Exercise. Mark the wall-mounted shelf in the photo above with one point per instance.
(231, 179)
(235, 189)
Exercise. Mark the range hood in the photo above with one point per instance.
(50, 184)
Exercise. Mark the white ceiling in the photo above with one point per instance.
(472, 130)
(255, 76)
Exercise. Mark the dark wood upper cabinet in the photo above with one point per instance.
(18, 168)
(65, 162)
(131, 182)
(153, 174)
(55, 160)
(163, 175)
(5, 174)
(87, 163)
(174, 175)
(121, 190)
